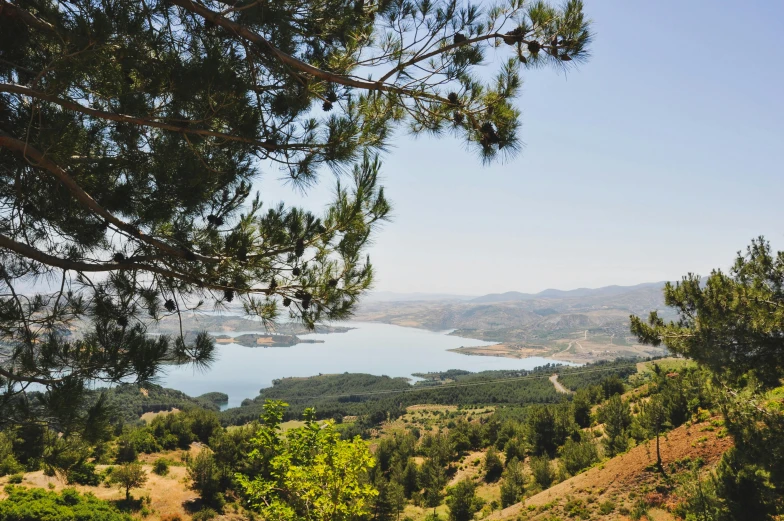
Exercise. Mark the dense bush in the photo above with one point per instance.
(83, 473)
(205, 475)
(512, 483)
(8, 462)
(23, 504)
(493, 466)
(577, 456)
(161, 466)
(542, 471)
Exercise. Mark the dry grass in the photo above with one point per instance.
(168, 494)
(150, 416)
(615, 478)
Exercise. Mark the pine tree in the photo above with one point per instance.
(617, 418)
(732, 323)
(493, 467)
(462, 501)
(433, 479)
(512, 483)
(131, 133)
(410, 479)
(654, 418)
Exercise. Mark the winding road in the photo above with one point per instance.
(559, 386)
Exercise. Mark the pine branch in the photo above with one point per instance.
(13, 11)
(31, 153)
(267, 47)
(84, 267)
(146, 122)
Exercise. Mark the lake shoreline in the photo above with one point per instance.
(368, 348)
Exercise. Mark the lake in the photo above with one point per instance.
(379, 349)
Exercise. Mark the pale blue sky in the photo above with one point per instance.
(661, 155)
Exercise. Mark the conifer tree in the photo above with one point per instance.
(732, 323)
(617, 418)
(131, 134)
(462, 501)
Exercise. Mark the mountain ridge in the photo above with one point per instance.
(551, 293)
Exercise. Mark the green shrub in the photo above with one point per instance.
(9, 465)
(203, 471)
(205, 515)
(542, 471)
(493, 466)
(24, 504)
(83, 473)
(576, 508)
(606, 507)
(578, 455)
(639, 510)
(16, 478)
(161, 466)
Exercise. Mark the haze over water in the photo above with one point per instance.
(378, 349)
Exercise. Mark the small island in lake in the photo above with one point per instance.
(264, 340)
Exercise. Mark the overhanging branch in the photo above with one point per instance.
(146, 122)
(295, 63)
(41, 161)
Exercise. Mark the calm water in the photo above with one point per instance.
(378, 349)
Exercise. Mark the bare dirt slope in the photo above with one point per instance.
(615, 478)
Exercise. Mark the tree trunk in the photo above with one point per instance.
(658, 455)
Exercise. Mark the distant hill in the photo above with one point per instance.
(579, 325)
(606, 291)
(393, 296)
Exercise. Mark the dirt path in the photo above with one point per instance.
(558, 386)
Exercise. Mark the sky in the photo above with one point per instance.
(662, 155)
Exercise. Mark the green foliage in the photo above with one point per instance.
(161, 466)
(133, 132)
(512, 483)
(548, 427)
(354, 394)
(133, 441)
(577, 456)
(581, 404)
(542, 471)
(607, 507)
(205, 514)
(492, 465)
(127, 477)
(410, 478)
(24, 504)
(125, 403)
(731, 322)
(205, 475)
(8, 462)
(616, 416)
(310, 473)
(83, 473)
(462, 501)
